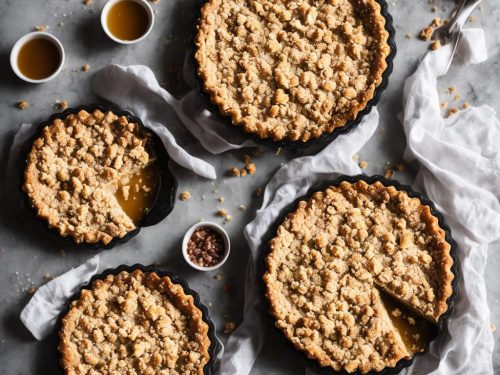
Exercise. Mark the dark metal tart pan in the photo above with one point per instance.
(325, 138)
(214, 347)
(270, 234)
(165, 193)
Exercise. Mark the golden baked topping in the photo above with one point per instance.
(134, 323)
(332, 258)
(291, 69)
(78, 165)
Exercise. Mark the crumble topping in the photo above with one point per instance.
(185, 195)
(291, 69)
(134, 323)
(22, 104)
(74, 169)
(336, 253)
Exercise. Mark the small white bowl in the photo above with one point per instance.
(14, 54)
(104, 20)
(217, 228)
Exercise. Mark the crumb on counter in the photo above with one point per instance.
(62, 104)
(457, 97)
(22, 104)
(88, 2)
(221, 199)
(465, 105)
(435, 45)
(185, 195)
(363, 164)
(444, 105)
(222, 212)
(218, 277)
(493, 327)
(251, 168)
(41, 27)
(229, 327)
(388, 173)
(436, 22)
(85, 68)
(426, 33)
(355, 157)
(235, 172)
(60, 24)
(452, 89)
(452, 112)
(401, 167)
(242, 207)
(243, 172)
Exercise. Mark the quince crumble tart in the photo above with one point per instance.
(358, 276)
(134, 323)
(291, 70)
(91, 176)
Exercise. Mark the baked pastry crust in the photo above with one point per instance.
(74, 168)
(134, 323)
(331, 258)
(291, 70)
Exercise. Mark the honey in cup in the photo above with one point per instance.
(38, 58)
(128, 20)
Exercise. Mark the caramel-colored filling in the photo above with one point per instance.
(136, 193)
(38, 58)
(415, 331)
(128, 20)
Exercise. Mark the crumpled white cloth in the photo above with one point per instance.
(460, 171)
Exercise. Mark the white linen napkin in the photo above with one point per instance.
(460, 171)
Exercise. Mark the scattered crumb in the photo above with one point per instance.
(436, 22)
(221, 199)
(246, 159)
(32, 290)
(401, 167)
(434, 9)
(251, 168)
(388, 173)
(355, 157)
(363, 164)
(457, 97)
(155, 1)
(278, 151)
(85, 68)
(185, 195)
(229, 327)
(435, 45)
(242, 207)
(381, 131)
(62, 104)
(228, 218)
(465, 105)
(452, 111)
(218, 277)
(41, 27)
(258, 192)
(22, 104)
(444, 105)
(472, 19)
(408, 35)
(222, 212)
(493, 327)
(452, 89)
(243, 172)
(235, 172)
(426, 33)
(60, 24)
(88, 2)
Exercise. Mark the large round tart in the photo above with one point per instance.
(134, 323)
(291, 70)
(358, 275)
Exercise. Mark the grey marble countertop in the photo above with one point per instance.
(27, 255)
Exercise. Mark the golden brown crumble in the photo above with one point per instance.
(435, 45)
(185, 195)
(388, 173)
(235, 172)
(401, 167)
(22, 104)
(222, 212)
(332, 256)
(457, 97)
(452, 111)
(62, 104)
(74, 169)
(291, 70)
(363, 164)
(465, 105)
(41, 27)
(452, 89)
(85, 68)
(134, 323)
(251, 168)
(444, 105)
(229, 327)
(426, 33)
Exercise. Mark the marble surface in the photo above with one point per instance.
(28, 255)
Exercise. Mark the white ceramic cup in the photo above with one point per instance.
(14, 54)
(217, 228)
(104, 20)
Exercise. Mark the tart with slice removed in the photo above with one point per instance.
(358, 276)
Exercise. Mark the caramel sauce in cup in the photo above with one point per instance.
(127, 21)
(37, 57)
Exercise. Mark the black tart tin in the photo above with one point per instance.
(165, 193)
(324, 138)
(264, 251)
(214, 342)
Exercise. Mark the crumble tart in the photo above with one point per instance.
(92, 176)
(134, 322)
(291, 70)
(337, 259)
